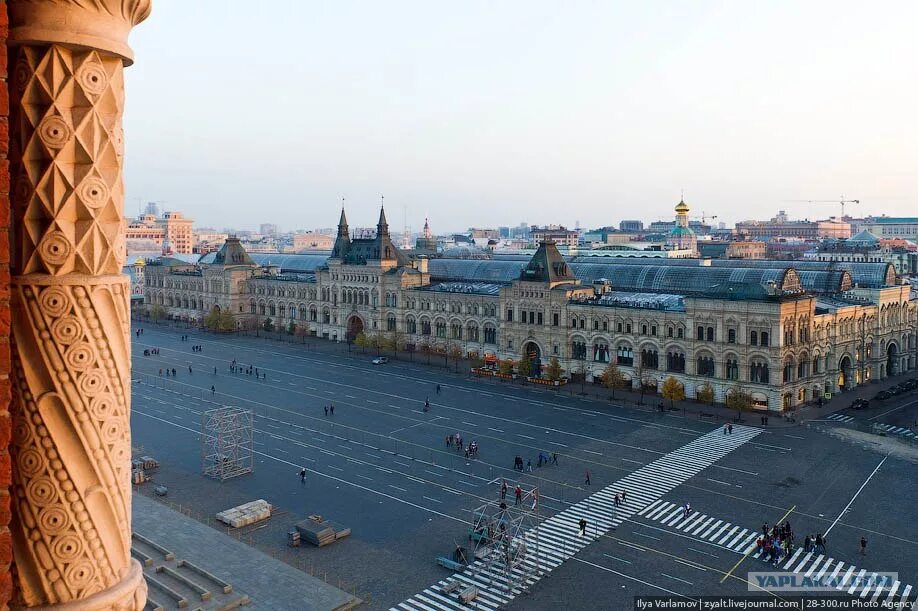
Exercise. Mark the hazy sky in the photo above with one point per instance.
(486, 113)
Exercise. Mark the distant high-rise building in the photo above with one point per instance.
(267, 229)
(151, 208)
(171, 226)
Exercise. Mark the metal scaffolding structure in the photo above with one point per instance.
(227, 442)
(504, 536)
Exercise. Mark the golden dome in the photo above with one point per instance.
(682, 206)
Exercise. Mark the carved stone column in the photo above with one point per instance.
(71, 492)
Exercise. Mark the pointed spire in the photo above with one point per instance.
(342, 222)
(382, 227)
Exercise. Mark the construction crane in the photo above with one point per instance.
(704, 218)
(840, 200)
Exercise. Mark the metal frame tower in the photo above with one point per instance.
(227, 442)
(505, 542)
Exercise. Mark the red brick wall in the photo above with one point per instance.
(6, 583)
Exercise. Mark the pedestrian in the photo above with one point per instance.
(326, 411)
(582, 524)
(730, 428)
(518, 492)
(189, 369)
(624, 494)
(449, 440)
(331, 409)
(820, 543)
(587, 482)
(160, 372)
(765, 529)
(173, 372)
(303, 475)
(616, 500)
(863, 546)
(215, 370)
(554, 458)
(529, 465)
(807, 544)
(725, 429)
(503, 490)
(213, 390)
(540, 461)
(438, 389)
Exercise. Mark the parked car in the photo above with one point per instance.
(381, 360)
(882, 395)
(860, 404)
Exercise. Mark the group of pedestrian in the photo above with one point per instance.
(619, 500)
(138, 332)
(247, 370)
(543, 459)
(764, 420)
(778, 542)
(150, 351)
(169, 372)
(814, 543)
(197, 348)
(330, 409)
(184, 338)
(728, 429)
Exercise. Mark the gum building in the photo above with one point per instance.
(786, 332)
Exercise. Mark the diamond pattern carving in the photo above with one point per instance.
(69, 192)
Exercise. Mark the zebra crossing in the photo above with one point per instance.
(840, 418)
(556, 539)
(896, 430)
(743, 541)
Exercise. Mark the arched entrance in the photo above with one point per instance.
(892, 359)
(844, 372)
(533, 354)
(354, 327)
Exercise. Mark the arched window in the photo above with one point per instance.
(625, 356)
(705, 366)
(753, 337)
(731, 336)
(650, 359)
(758, 372)
(455, 330)
(578, 350)
(675, 361)
(411, 325)
(764, 338)
(440, 328)
(700, 333)
(390, 322)
(471, 332)
(490, 334)
(731, 369)
(600, 352)
(313, 313)
(425, 327)
(710, 334)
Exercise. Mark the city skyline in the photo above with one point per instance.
(499, 113)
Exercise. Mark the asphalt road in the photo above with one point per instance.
(381, 466)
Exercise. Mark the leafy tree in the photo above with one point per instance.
(524, 367)
(291, 328)
(673, 390)
(302, 330)
(360, 340)
(553, 371)
(612, 378)
(737, 398)
(157, 313)
(705, 393)
(218, 320)
(268, 325)
(505, 366)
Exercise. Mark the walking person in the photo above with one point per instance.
(503, 490)
(529, 465)
(554, 458)
(173, 372)
(615, 501)
(331, 409)
(725, 429)
(303, 475)
(863, 546)
(438, 389)
(582, 524)
(730, 428)
(189, 369)
(587, 482)
(518, 492)
(215, 371)
(449, 440)
(213, 390)
(326, 411)
(624, 494)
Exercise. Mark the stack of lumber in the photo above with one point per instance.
(245, 514)
(320, 532)
(293, 538)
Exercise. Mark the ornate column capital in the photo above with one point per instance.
(96, 24)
